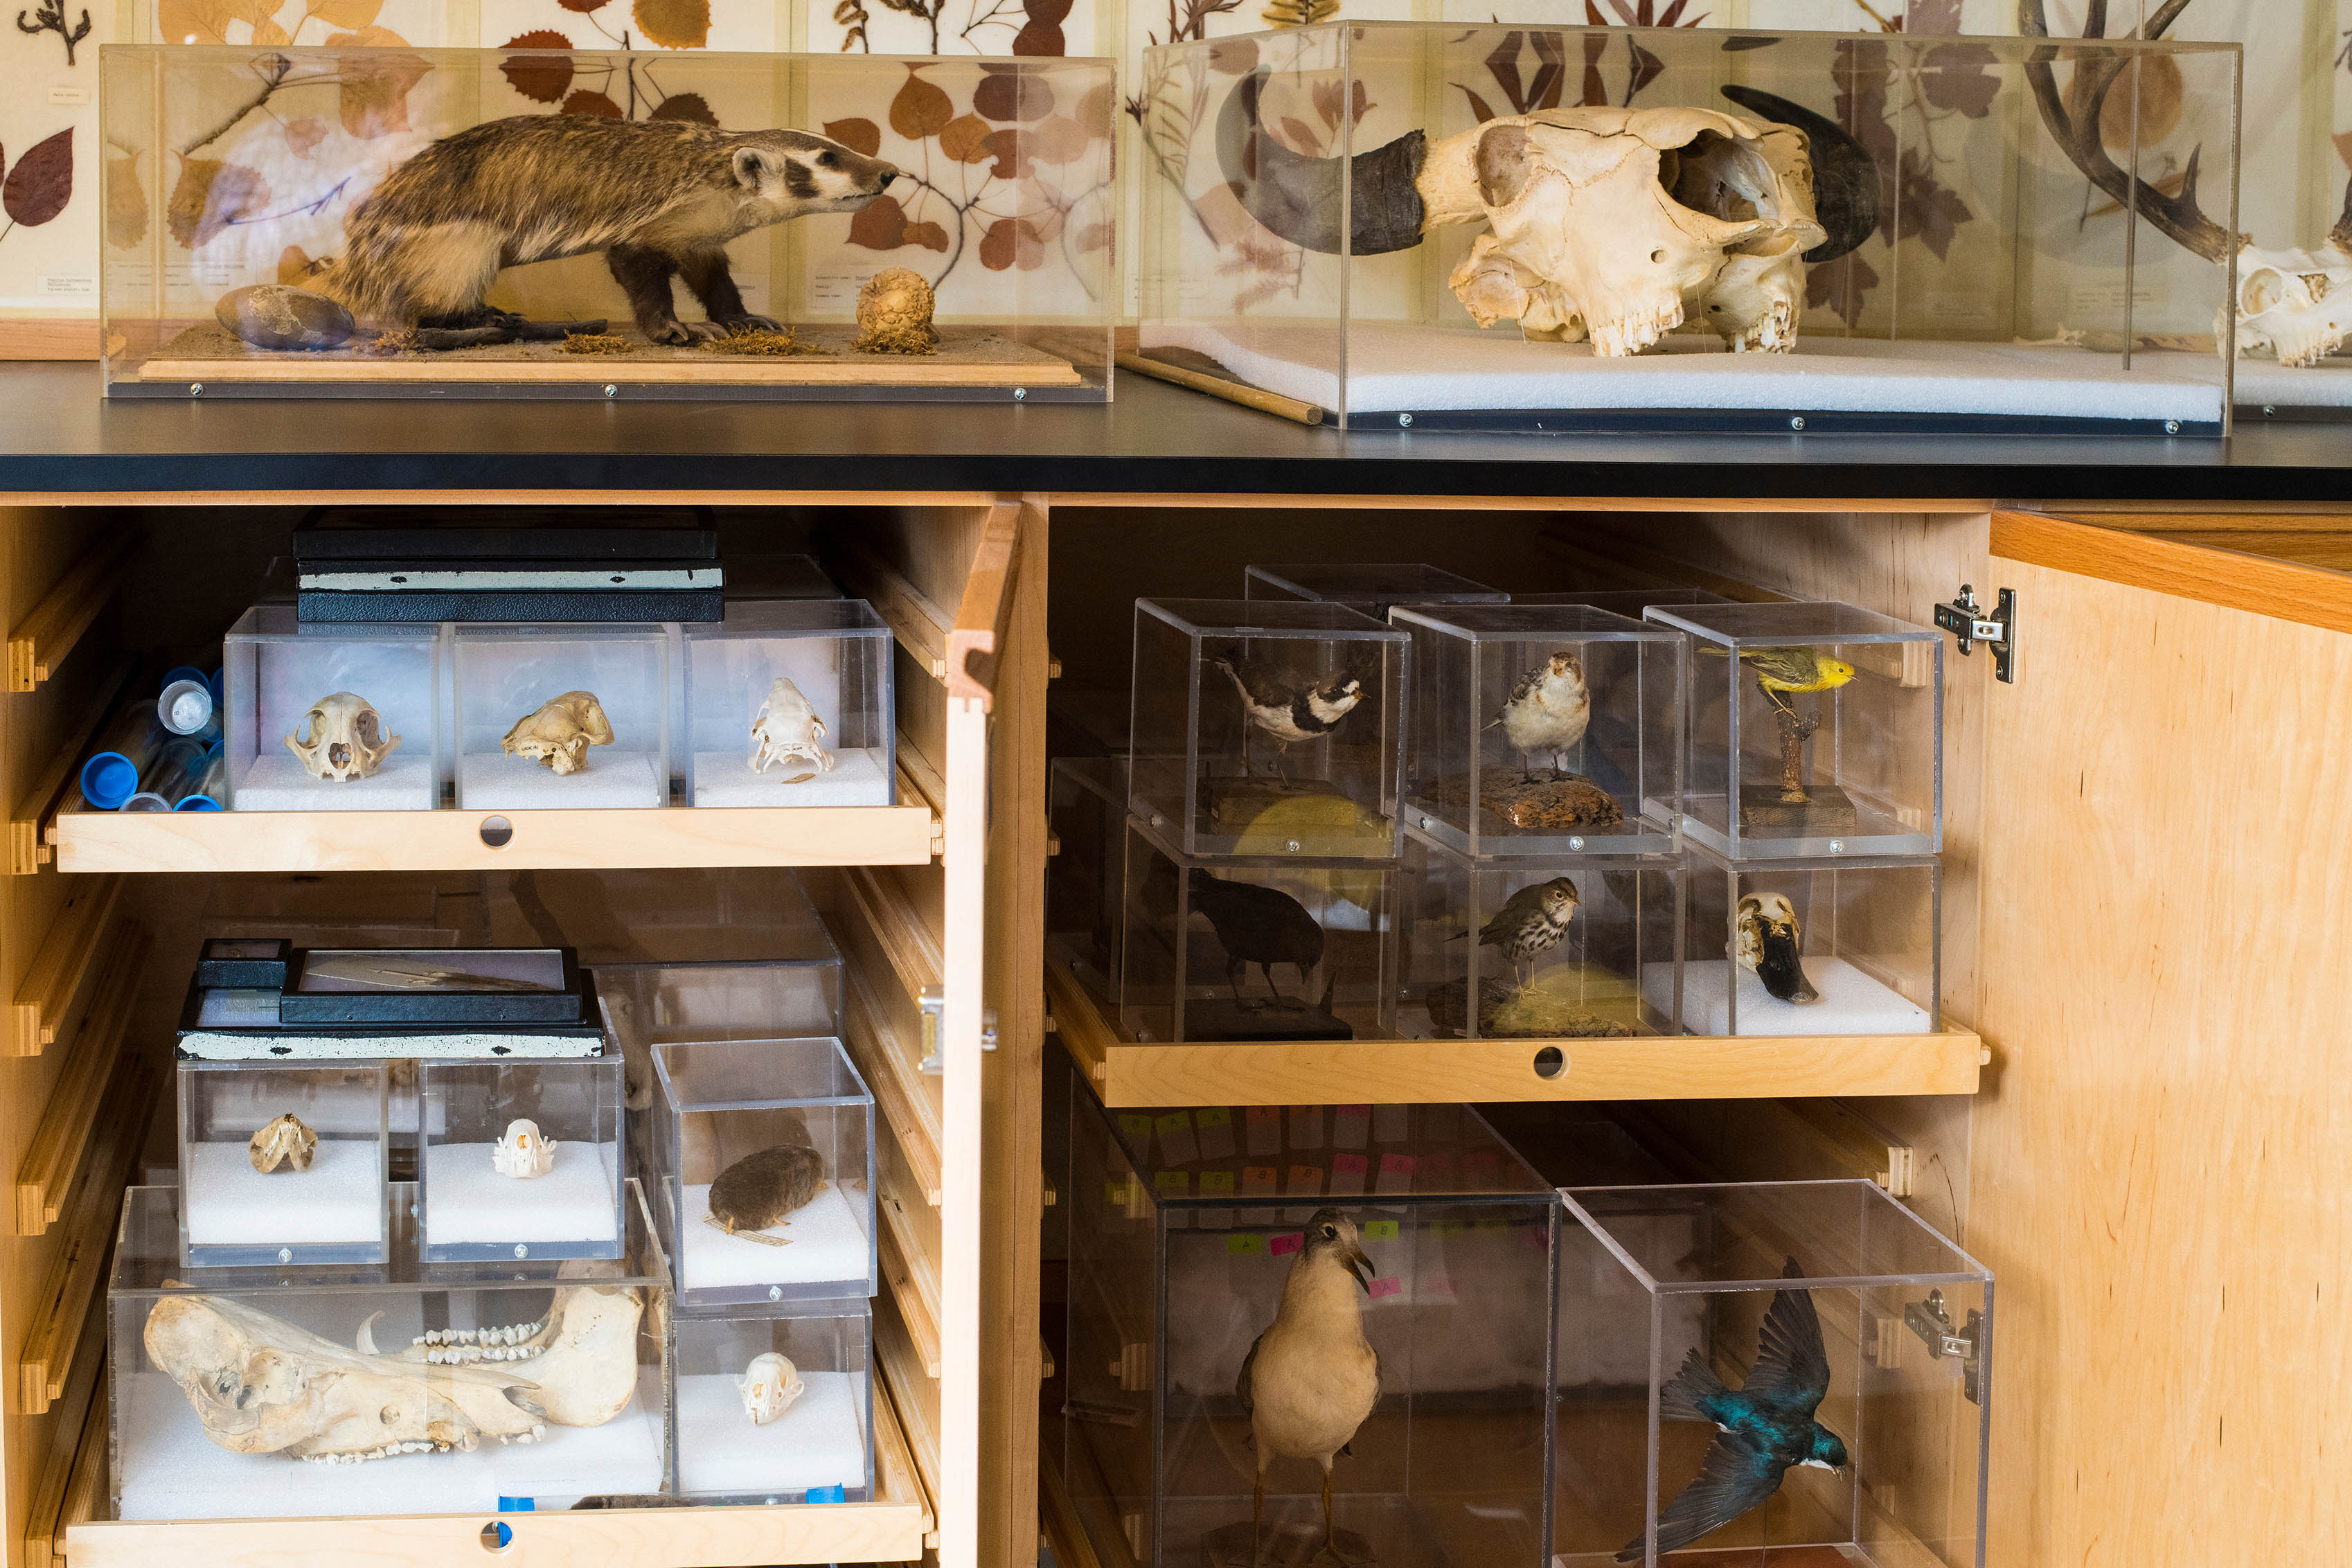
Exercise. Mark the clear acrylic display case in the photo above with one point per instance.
(1540, 730)
(495, 1189)
(814, 1446)
(1815, 730)
(1371, 586)
(215, 1375)
(1085, 882)
(723, 1101)
(1000, 198)
(1848, 947)
(728, 916)
(788, 704)
(1959, 281)
(1666, 1289)
(1186, 1226)
(333, 1212)
(507, 675)
(1608, 969)
(350, 689)
(1255, 947)
(1261, 726)
(1624, 600)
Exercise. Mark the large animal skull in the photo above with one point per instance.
(341, 738)
(769, 1386)
(560, 732)
(785, 729)
(2295, 304)
(1612, 223)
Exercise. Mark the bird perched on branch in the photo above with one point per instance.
(1311, 1379)
(1547, 710)
(1783, 670)
(1531, 921)
(1772, 944)
(1289, 705)
(1257, 924)
(1761, 1429)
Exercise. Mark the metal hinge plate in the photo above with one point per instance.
(1933, 1324)
(1967, 621)
(933, 1003)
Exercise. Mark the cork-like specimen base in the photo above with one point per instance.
(1284, 1546)
(1259, 1018)
(1506, 1012)
(1544, 798)
(1826, 810)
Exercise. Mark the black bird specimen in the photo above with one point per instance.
(1287, 704)
(1260, 925)
(1761, 1429)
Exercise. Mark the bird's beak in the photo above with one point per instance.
(1359, 1265)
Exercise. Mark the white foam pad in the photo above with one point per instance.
(725, 778)
(2327, 385)
(169, 1469)
(466, 1199)
(494, 781)
(338, 1199)
(819, 1442)
(403, 783)
(1397, 365)
(828, 1243)
(1852, 1003)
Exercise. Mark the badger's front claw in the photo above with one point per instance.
(670, 331)
(732, 325)
(703, 332)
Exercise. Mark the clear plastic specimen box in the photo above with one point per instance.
(572, 715)
(775, 1409)
(520, 1159)
(331, 717)
(320, 1130)
(788, 704)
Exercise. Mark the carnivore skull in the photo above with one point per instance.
(522, 1152)
(2295, 304)
(560, 732)
(341, 738)
(785, 729)
(769, 1386)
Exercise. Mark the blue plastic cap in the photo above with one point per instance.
(108, 780)
(518, 1505)
(826, 1494)
(198, 803)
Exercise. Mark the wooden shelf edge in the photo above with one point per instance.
(898, 927)
(71, 1120)
(899, 1090)
(452, 840)
(918, 624)
(76, 938)
(913, 1292)
(29, 844)
(1409, 1072)
(49, 631)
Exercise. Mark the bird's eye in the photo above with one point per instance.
(1330, 1234)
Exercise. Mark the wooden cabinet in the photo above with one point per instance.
(2143, 838)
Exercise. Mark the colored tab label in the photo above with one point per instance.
(1216, 1183)
(1306, 1181)
(1351, 1126)
(1436, 1288)
(1386, 1285)
(1136, 1127)
(1172, 1183)
(1177, 1145)
(1244, 1243)
(1260, 1180)
(1307, 1127)
(1283, 1246)
(1264, 1131)
(1379, 1230)
(1214, 1126)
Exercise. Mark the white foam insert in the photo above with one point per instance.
(613, 777)
(827, 1236)
(1852, 1003)
(819, 1442)
(725, 778)
(1397, 365)
(403, 783)
(466, 1199)
(338, 1199)
(170, 1470)
(2327, 385)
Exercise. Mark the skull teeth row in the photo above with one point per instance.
(459, 1355)
(537, 1433)
(389, 1450)
(510, 1334)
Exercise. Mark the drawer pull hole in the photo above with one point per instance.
(1550, 1062)
(497, 832)
(497, 1537)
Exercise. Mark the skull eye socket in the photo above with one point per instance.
(369, 727)
(314, 724)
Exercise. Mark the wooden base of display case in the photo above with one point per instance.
(1405, 1072)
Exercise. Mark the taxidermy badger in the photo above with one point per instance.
(660, 198)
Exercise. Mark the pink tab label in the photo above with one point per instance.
(1392, 1164)
(1388, 1285)
(1353, 1164)
(1284, 1245)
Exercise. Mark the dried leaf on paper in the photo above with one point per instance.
(209, 196)
(1041, 35)
(965, 139)
(1094, 236)
(929, 235)
(267, 33)
(673, 24)
(880, 225)
(295, 267)
(1012, 150)
(1009, 93)
(192, 21)
(1840, 285)
(1058, 140)
(126, 201)
(544, 79)
(921, 109)
(303, 136)
(858, 135)
(998, 247)
(587, 102)
(583, 6)
(40, 185)
(375, 99)
(1954, 77)
(687, 106)
(350, 15)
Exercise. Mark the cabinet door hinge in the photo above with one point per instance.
(933, 1003)
(1967, 621)
(1933, 1324)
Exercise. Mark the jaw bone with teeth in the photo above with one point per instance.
(345, 739)
(1603, 223)
(261, 1385)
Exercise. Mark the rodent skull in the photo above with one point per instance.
(523, 1151)
(341, 738)
(770, 1383)
(560, 732)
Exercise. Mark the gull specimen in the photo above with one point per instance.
(1311, 1378)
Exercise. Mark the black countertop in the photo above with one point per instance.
(59, 434)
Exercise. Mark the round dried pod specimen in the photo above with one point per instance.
(759, 1190)
(893, 314)
(285, 1142)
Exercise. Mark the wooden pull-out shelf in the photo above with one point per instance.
(1401, 1072)
(455, 840)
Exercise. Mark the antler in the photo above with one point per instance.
(2178, 216)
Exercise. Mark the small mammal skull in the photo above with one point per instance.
(522, 1152)
(284, 1141)
(769, 1386)
(2295, 304)
(560, 732)
(341, 738)
(786, 727)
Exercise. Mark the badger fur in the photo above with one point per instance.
(660, 198)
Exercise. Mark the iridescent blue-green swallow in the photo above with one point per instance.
(1761, 1429)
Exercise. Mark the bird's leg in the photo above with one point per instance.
(1280, 1001)
(1526, 771)
(1257, 1514)
(1235, 969)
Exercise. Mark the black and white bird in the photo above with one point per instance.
(1531, 921)
(1311, 1379)
(1289, 705)
(1546, 712)
(1771, 944)
(1257, 924)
